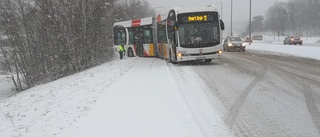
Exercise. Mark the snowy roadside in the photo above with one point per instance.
(289, 50)
(47, 109)
(154, 99)
(136, 97)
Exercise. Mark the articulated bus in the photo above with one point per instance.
(185, 34)
(136, 36)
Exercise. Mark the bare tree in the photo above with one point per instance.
(299, 17)
(50, 39)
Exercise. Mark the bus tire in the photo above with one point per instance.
(130, 52)
(208, 60)
(170, 58)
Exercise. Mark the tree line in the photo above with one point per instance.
(44, 40)
(295, 17)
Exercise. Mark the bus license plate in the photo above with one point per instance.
(200, 58)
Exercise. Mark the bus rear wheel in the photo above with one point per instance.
(130, 53)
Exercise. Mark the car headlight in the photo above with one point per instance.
(230, 44)
(243, 45)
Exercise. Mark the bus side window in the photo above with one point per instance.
(119, 36)
(147, 36)
(131, 36)
(162, 36)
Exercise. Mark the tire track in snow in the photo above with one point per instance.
(233, 111)
(302, 79)
(312, 106)
(177, 76)
(173, 99)
(298, 76)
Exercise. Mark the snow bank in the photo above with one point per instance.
(156, 100)
(136, 97)
(46, 110)
(291, 50)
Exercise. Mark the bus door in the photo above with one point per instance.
(138, 41)
(172, 38)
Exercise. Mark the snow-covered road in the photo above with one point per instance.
(266, 95)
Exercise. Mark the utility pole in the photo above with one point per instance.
(231, 19)
(250, 24)
(221, 19)
(221, 10)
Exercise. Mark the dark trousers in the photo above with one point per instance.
(121, 54)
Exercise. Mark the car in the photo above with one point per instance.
(257, 37)
(293, 40)
(233, 43)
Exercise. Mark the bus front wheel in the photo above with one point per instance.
(208, 60)
(170, 58)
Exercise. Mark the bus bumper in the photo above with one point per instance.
(215, 55)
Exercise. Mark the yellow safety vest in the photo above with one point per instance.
(121, 49)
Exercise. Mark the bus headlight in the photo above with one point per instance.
(220, 52)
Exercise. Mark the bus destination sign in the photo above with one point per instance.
(197, 18)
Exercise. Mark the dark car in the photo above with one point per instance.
(293, 40)
(233, 43)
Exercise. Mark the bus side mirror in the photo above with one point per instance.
(222, 25)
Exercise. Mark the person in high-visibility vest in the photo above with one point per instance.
(121, 51)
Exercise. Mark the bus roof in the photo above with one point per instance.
(134, 23)
(180, 10)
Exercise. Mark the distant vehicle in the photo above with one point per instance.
(293, 40)
(257, 37)
(233, 43)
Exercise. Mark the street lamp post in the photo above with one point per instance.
(221, 9)
(221, 19)
(231, 19)
(250, 24)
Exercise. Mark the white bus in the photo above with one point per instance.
(136, 36)
(185, 34)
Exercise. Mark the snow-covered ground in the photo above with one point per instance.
(136, 97)
(279, 40)
(269, 45)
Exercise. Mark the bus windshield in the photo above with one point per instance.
(199, 30)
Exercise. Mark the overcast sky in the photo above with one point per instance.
(240, 7)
